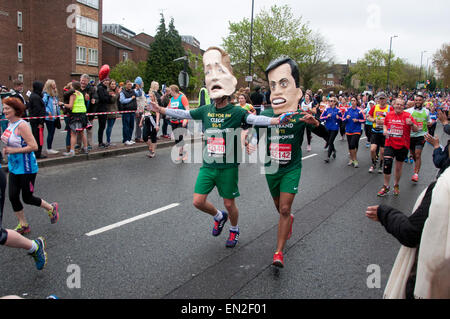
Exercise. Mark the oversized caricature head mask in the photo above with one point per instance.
(285, 92)
(219, 77)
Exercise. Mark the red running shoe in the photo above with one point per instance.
(278, 260)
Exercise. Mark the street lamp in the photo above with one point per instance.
(251, 46)
(389, 62)
(421, 58)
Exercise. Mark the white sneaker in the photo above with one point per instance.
(69, 154)
(132, 142)
(128, 143)
(52, 152)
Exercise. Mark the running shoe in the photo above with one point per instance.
(327, 160)
(406, 160)
(411, 160)
(54, 213)
(40, 255)
(278, 260)
(218, 225)
(334, 154)
(383, 191)
(380, 170)
(355, 164)
(69, 154)
(396, 190)
(290, 230)
(232, 239)
(371, 169)
(415, 178)
(23, 229)
(350, 163)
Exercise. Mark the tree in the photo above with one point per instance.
(127, 70)
(372, 69)
(275, 33)
(166, 48)
(316, 63)
(441, 61)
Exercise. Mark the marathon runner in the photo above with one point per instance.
(422, 116)
(283, 145)
(222, 122)
(377, 115)
(397, 129)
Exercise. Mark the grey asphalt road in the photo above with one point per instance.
(172, 255)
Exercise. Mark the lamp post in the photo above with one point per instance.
(389, 62)
(250, 74)
(421, 59)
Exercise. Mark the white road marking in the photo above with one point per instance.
(139, 217)
(306, 157)
(130, 220)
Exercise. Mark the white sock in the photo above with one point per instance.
(234, 228)
(33, 248)
(218, 216)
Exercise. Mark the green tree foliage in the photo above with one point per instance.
(127, 70)
(166, 48)
(441, 61)
(373, 69)
(276, 32)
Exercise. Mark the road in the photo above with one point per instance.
(162, 247)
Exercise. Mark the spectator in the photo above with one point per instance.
(51, 103)
(257, 99)
(104, 99)
(165, 100)
(424, 236)
(141, 103)
(36, 108)
(90, 99)
(18, 89)
(68, 91)
(114, 92)
(78, 121)
(128, 104)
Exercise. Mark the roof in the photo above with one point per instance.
(116, 44)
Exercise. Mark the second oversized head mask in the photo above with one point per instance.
(285, 92)
(219, 77)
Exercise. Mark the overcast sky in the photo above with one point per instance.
(352, 27)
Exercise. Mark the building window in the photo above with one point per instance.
(125, 56)
(20, 77)
(90, 3)
(87, 26)
(330, 75)
(20, 52)
(81, 55)
(19, 20)
(330, 83)
(93, 57)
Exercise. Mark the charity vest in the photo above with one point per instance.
(421, 117)
(176, 104)
(79, 106)
(379, 114)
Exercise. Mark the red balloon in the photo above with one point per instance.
(104, 72)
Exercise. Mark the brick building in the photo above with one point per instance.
(49, 39)
(120, 44)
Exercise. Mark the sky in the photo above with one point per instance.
(352, 27)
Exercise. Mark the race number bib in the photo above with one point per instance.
(216, 146)
(5, 136)
(281, 152)
(396, 131)
(420, 126)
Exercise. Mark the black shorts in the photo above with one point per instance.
(149, 130)
(400, 155)
(378, 139)
(416, 143)
(353, 141)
